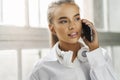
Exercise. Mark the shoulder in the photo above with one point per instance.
(34, 74)
(99, 57)
(38, 66)
(45, 61)
(40, 70)
(99, 52)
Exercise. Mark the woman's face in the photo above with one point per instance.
(67, 23)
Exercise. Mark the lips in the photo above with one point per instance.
(73, 35)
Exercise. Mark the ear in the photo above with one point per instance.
(52, 29)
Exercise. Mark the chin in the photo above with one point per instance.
(70, 41)
(73, 41)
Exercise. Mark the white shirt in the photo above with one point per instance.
(95, 65)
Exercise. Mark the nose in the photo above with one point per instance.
(71, 25)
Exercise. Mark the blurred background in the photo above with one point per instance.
(24, 34)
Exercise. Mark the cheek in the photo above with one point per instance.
(79, 27)
(61, 31)
(59, 28)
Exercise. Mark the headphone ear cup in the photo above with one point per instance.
(82, 54)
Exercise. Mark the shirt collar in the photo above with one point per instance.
(65, 57)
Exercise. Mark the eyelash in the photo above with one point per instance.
(77, 19)
(63, 21)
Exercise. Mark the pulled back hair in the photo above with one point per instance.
(50, 14)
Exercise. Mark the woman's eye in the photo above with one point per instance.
(63, 21)
(77, 19)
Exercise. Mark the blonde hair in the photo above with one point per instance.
(50, 14)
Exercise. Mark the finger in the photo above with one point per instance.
(87, 22)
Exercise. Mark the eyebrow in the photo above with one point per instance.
(77, 15)
(62, 18)
(66, 17)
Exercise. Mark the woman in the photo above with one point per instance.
(68, 58)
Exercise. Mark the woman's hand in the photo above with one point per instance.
(94, 44)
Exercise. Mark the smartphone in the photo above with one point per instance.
(87, 32)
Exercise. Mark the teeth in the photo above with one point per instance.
(73, 34)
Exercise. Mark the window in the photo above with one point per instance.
(23, 40)
(8, 61)
(114, 15)
(106, 19)
(12, 12)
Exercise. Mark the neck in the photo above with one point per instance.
(69, 46)
(73, 47)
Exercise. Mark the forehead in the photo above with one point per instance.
(67, 10)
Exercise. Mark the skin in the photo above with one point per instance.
(67, 26)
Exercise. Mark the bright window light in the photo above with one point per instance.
(43, 12)
(0, 11)
(8, 67)
(17, 12)
(13, 12)
(34, 18)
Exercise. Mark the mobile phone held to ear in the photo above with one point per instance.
(87, 32)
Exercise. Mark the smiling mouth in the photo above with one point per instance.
(73, 35)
